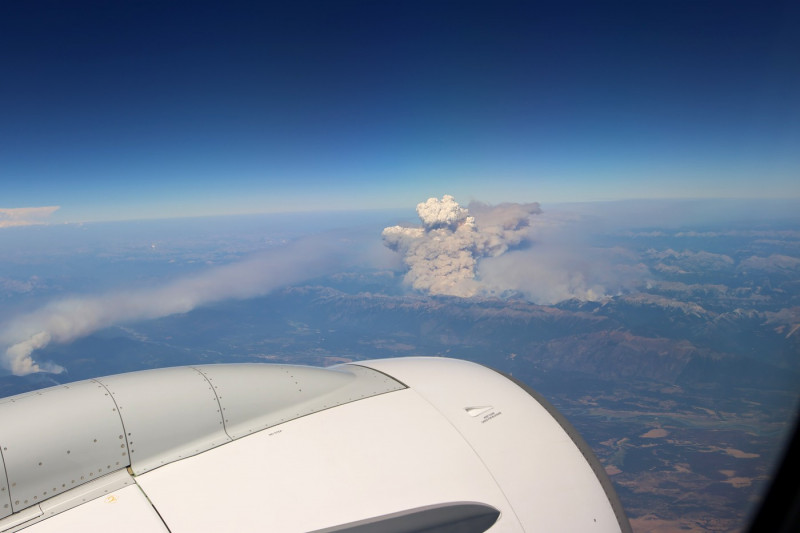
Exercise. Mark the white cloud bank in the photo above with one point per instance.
(25, 216)
(66, 320)
(507, 249)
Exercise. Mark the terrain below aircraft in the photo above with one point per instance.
(395, 445)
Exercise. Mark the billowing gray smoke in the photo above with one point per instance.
(66, 320)
(442, 255)
(478, 251)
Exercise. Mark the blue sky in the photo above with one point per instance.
(124, 110)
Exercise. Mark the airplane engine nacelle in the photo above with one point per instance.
(385, 445)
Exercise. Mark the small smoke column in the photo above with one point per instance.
(442, 254)
(66, 320)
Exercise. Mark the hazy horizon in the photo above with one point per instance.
(134, 110)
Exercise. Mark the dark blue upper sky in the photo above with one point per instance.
(142, 109)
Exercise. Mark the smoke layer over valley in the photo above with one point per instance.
(61, 283)
(65, 320)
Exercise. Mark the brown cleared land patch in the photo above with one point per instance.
(739, 454)
(739, 482)
(656, 433)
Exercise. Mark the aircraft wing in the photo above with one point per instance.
(394, 445)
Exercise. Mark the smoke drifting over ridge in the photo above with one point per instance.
(66, 320)
(508, 250)
(443, 254)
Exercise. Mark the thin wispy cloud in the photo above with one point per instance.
(25, 216)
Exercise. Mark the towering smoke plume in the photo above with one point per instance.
(442, 255)
(66, 320)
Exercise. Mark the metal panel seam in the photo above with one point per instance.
(583, 447)
(121, 420)
(155, 509)
(374, 370)
(219, 404)
(468, 443)
(8, 484)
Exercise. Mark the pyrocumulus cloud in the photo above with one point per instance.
(66, 320)
(442, 255)
(509, 250)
